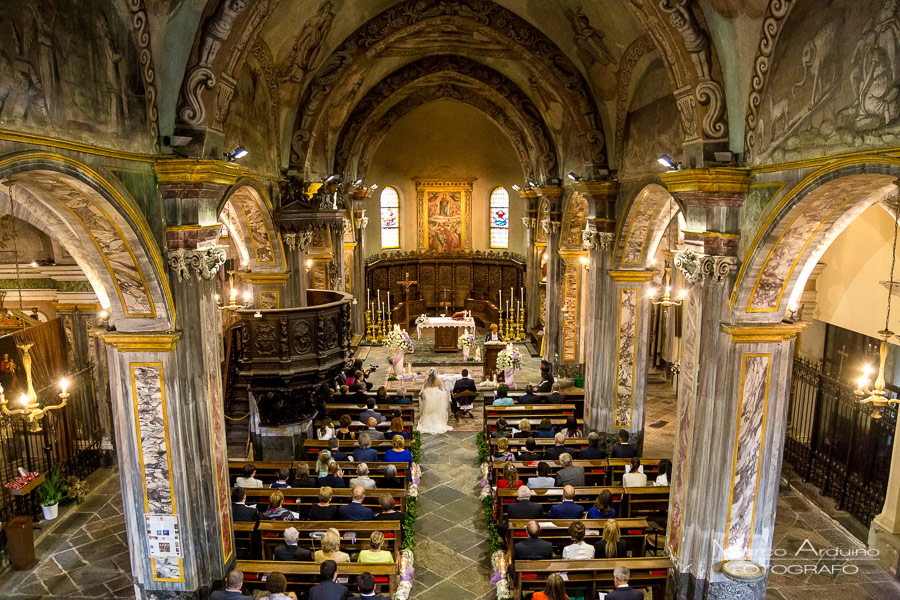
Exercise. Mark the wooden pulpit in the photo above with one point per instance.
(491, 350)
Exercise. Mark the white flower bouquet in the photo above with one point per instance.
(508, 358)
(466, 340)
(421, 320)
(398, 339)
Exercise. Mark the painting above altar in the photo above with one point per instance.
(444, 215)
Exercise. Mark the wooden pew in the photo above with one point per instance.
(245, 539)
(584, 496)
(311, 447)
(514, 414)
(271, 535)
(303, 575)
(300, 499)
(593, 576)
(596, 472)
(617, 468)
(376, 470)
(490, 424)
(651, 502)
(634, 532)
(407, 411)
(266, 470)
(518, 444)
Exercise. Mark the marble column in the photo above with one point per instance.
(358, 270)
(532, 263)
(554, 291)
(336, 270)
(297, 245)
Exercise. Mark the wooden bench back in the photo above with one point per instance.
(354, 535)
(303, 575)
(593, 576)
(584, 496)
(300, 499)
(596, 472)
(633, 532)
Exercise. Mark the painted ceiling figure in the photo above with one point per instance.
(306, 49)
(589, 40)
(695, 39)
(218, 29)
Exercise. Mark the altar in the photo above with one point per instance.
(446, 331)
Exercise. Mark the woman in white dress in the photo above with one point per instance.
(434, 406)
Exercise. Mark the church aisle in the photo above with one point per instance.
(451, 555)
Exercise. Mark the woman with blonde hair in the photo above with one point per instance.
(503, 454)
(612, 545)
(524, 429)
(375, 554)
(322, 462)
(323, 510)
(398, 451)
(276, 512)
(331, 548)
(578, 549)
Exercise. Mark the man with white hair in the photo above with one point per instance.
(554, 452)
(569, 474)
(290, 550)
(233, 582)
(523, 507)
(362, 478)
(623, 591)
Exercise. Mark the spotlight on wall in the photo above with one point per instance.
(574, 177)
(236, 153)
(330, 178)
(532, 184)
(516, 187)
(358, 182)
(666, 161)
(373, 187)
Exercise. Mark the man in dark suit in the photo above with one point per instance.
(592, 452)
(546, 382)
(623, 591)
(370, 412)
(555, 397)
(365, 452)
(531, 452)
(328, 588)
(623, 449)
(355, 511)
(528, 397)
(567, 509)
(554, 452)
(291, 551)
(239, 510)
(534, 548)
(357, 393)
(463, 384)
(366, 584)
(523, 507)
(334, 446)
(233, 582)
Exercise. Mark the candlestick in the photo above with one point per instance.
(389, 301)
(500, 306)
(522, 295)
(368, 291)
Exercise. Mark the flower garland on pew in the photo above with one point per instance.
(409, 522)
(498, 556)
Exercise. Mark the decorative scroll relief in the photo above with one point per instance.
(153, 451)
(625, 359)
(570, 317)
(596, 239)
(755, 374)
(204, 262)
(139, 26)
(298, 241)
(685, 414)
(710, 267)
(688, 262)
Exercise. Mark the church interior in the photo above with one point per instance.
(449, 299)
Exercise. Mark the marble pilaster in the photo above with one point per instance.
(554, 289)
(532, 262)
(297, 246)
(358, 269)
(598, 326)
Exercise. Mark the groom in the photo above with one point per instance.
(462, 384)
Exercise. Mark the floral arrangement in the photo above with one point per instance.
(499, 578)
(416, 474)
(406, 575)
(77, 489)
(466, 340)
(398, 339)
(421, 320)
(508, 358)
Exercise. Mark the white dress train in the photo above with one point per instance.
(434, 411)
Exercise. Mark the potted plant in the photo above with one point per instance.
(50, 492)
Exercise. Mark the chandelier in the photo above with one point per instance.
(31, 411)
(667, 300)
(877, 396)
(232, 297)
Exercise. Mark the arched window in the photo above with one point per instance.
(390, 218)
(499, 218)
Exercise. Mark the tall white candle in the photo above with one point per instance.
(389, 301)
(500, 294)
(521, 296)
(367, 296)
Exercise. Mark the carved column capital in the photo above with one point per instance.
(554, 226)
(204, 262)
(362, 220)
(695, 266)
(597, 239)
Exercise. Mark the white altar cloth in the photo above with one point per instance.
(435, 322)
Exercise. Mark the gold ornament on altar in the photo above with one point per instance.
(31, 411)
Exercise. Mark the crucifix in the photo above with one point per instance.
(406, 283)
(445, 305)
(843, 354)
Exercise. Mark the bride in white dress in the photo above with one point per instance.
(434, 406)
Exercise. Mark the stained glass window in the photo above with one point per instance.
(499, 218)
(390, 218)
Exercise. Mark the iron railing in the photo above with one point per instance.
(838, 444)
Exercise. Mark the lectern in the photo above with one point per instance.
(491, 350)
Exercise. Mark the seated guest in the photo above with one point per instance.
(558, 449)
(534, 548)
(390, 481)
(546, 365)
(623, 449)
(546, 383)
(373, 433)
(621, 575)
(524, 429)
(567, 509)
(366, 584)
(331, 548)
(328, 588)
(290, 550)
(303, 479)
(602, 508)
(555, 589)
(325, 429)
(523, 507)
(335, 477)
(344, 432)
(463, 384)
(248, 480)
(334, 446)
(349, 376)
(276, 585)
(664, 468)
(611, 545)
(355, 511)
(503, 430)
(375, 554)
(528, 397)
(545, 430)
(634, 477)
(510, 477)
(233, 583)
(358, 365)
(555, 397)
(357, 393)
(276, 512)
(569, 474)
(341, 395)
(530, 453)
(593, 451)
(543, 480)
(396, 429)
(364, 452)
(398, 452)
(370, 412)
(503, 454)
(239, 509)
(402, 397)
(494, 335)
(322, 461)
(388, 513)
(501, 398)
(362, 477)
(323, 510)
(283, 474)
(571, 429)
(578, 549)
